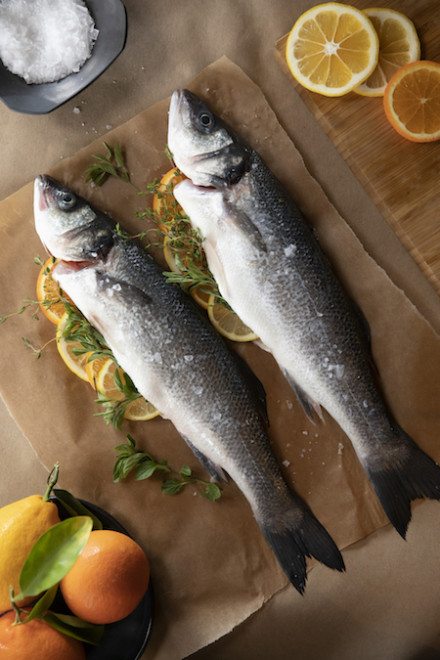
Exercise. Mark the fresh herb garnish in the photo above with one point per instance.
(112, 163)
(131, 459)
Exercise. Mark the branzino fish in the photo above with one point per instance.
(179, 363)
(271, 270)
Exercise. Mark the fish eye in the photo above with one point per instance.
(206, 119)
(66, 200)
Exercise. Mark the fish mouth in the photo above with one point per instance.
(44, 187)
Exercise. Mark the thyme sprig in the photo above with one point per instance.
(112, 163)
(130, 459)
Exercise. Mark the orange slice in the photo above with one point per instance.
(49, 294)
(398, 45)
(138, 410)
(164, 203)
(228, 323)
(332, 48)
(412, 101)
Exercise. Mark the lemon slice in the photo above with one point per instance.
(227, 322)
(66, 348)
(93, 368)
(138, 410)
(49, 294)
(398, 45)
(332, 48)
(141, 410)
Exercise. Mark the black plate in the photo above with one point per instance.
(111, 21)
(126, 638)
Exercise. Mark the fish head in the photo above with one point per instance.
(204, 148)
(68, 226)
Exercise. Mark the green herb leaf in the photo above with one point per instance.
(74, 627)
(185, 471)
(42, 604)
(74, 507)
(148, 467)
(212, 492)
(53, 555)
(172, 486)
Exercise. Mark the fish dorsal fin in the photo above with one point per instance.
(309, 405)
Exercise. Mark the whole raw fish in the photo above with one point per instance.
(179, 363)
(271, 270)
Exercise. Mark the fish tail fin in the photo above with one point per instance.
(297, 537)
(404, 475)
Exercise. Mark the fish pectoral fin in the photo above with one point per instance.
(242, 222)
(309, 405)
(215, 472)
(111, 286)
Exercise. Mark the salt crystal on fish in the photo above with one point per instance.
(46, 40)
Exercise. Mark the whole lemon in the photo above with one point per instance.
(21, 524)
(109, 578)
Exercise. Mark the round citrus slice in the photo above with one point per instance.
(49, 294)
(76, 361)
(169, 252)
(332, 48)
(398, 45)
(202, 295)
(93, 368)
(164, 203)
(412, 101)
(227, 322)
(138, 410)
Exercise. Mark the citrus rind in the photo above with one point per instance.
(398, 45)
(332, 48)
(420, 76)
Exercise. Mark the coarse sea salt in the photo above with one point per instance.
(45, 40)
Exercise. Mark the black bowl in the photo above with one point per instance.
(128, 637)
(37, 99)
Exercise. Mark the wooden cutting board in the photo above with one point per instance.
(402, 178)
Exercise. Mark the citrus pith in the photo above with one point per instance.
(412, 101)
(48, 292)
(138, 410)
(398, 45)
(76, 362)
(332, 48)
(228, 323)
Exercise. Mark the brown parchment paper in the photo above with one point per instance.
(211, 567)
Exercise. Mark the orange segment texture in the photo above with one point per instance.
(412, 101)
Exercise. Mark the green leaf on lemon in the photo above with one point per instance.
(53, 555)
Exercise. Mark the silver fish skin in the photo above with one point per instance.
(271, 270)
(179, 363)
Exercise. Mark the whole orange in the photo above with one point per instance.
(109, 578)
(36, 640)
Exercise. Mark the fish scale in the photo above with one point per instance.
(179, 363)
(271, 270)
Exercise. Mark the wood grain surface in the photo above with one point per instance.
(402, 178)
